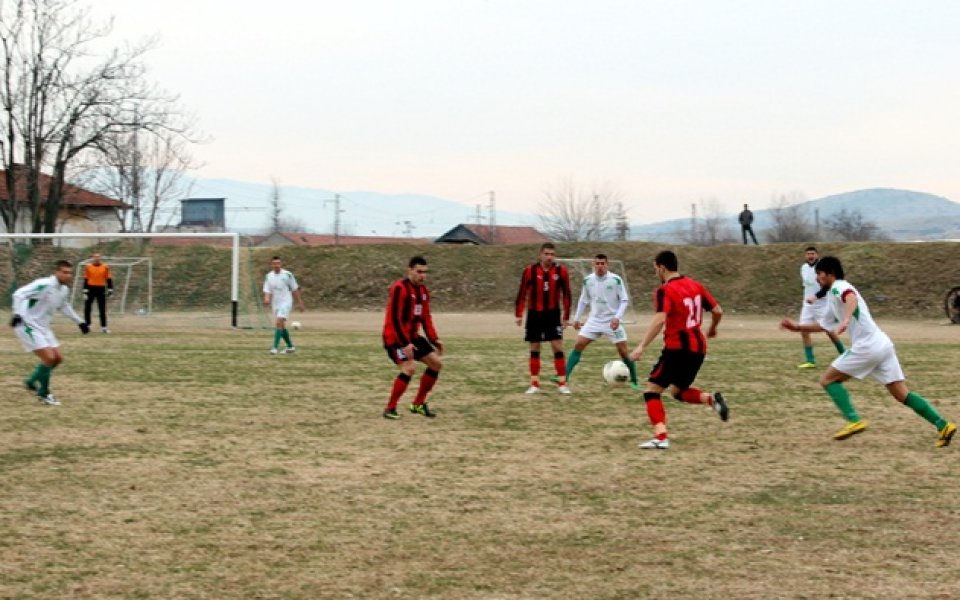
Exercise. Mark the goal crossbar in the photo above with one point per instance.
(234, 262)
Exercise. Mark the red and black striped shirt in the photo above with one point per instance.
(408, 307)
(684, 300)
(544, 289)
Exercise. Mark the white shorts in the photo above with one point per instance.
(592, 330)
(282, 310)
(812, 313)
(35, 338)
(882, 365)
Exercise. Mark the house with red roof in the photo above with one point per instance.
(481, 235)
(81, 211)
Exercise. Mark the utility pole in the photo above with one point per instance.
(337, 211)
(623, 226)
(493, 218)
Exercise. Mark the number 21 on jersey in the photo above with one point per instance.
(694, 311)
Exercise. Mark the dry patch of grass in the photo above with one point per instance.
(191, 464)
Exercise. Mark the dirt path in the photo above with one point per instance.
(503, 325)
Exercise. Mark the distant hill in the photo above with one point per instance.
(362, 212)
(900, 214)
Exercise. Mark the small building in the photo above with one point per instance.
(202, 215)
(481, 235)
(81, 211)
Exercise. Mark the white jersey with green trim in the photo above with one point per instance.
(808, 275)
(863, 330)
(280, 286)
(37, 301)
(606, 296)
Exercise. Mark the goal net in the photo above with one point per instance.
(190, 279)
(132, 283)
(581, 267)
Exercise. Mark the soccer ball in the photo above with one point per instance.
(295, 324)
(616, 373)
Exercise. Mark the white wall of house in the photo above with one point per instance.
(74, 220)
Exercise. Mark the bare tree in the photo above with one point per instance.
(60, 99)
(275, 208)
(147, 169)
(571, 213)
(850, 225)
(711, 228)
(791, 222)
(278, 222)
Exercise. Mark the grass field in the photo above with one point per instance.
(191, 464)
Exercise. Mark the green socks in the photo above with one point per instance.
(633, 369)
(42, 374)
(277, 334)
(572, 361)
(808, 352)
(286, 337)
(841, 397)
(923, 408)
(839, 346)
(35, 376)
(918, 403)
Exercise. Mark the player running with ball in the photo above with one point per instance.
(408, 308)
(679, 303)
(871, 353)
(33, 306)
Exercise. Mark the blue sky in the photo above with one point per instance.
(669, 102)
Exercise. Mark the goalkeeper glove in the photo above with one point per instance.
(109, 292)
(84, 292)
(84, 328)
(16, 320)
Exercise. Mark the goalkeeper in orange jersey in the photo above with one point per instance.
(97, 287)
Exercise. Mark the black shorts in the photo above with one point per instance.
(543, 326)
(421, 348)
(676, 367)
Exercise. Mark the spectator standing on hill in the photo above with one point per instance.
(746, 225)
(871, 353)
(408, 310)
(545, 292)
(280, 288)
(679, 304)
(812, 307)
(608, 299)
(33, 307)
(97, 286)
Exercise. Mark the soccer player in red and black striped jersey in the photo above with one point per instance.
(679, 305)
(408, 309)
(545, 292)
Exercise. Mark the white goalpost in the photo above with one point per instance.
(581, 267)
(235, 256)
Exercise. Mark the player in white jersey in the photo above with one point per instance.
(279, 290)
(608, 299)
(871, 353)
(812, 307)
(33, 307)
